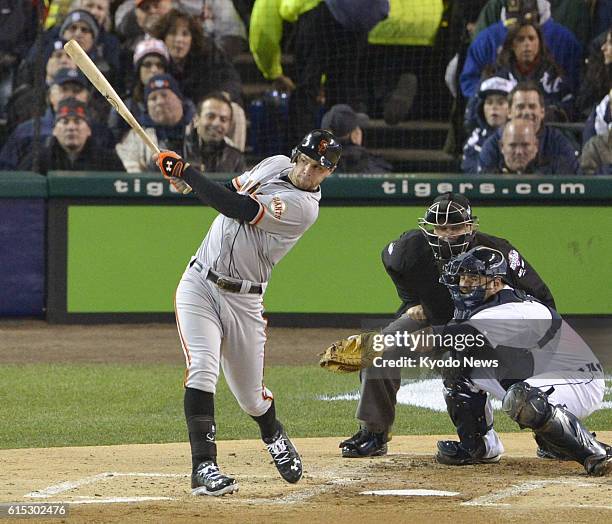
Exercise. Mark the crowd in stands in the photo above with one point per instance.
(523, 75)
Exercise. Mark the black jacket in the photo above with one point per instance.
(91, 158)
(214, 158)
(357, 159)
(410, 263)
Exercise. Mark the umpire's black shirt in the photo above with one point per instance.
(410, 263)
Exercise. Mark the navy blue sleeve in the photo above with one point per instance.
(490, 155)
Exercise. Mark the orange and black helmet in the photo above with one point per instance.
(320, 145)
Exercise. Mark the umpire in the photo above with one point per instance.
(414, 262)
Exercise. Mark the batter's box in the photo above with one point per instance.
(112, 487)
(549, 493)
(116, 487)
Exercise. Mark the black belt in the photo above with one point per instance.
(225, 283)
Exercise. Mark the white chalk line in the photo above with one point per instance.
(112, 500)
(492, 499)
(73, 484)
(411, 493)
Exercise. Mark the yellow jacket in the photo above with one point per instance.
(410, 22)
(266, 31)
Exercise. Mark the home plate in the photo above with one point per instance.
(412, 493)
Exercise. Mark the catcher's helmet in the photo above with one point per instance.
(484, 261)
(448, 209)
(320, 145)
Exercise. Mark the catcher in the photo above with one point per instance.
(545, 374)
(413, 262)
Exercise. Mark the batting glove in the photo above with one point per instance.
(171, 164)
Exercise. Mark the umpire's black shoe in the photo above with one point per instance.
(450, 452)
(208, 480)
(364, 443)
(286, 458)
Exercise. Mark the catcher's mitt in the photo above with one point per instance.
(350, 354)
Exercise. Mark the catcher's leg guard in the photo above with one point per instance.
(466, 409)
(558, 428)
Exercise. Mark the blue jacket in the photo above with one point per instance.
(358, 15)
(480, 134)
(562, 44)
(556, 155)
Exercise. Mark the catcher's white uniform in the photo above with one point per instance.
(219, 327)
(565, 364)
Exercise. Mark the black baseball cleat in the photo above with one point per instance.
(208, 480)
(364, 443)
(286, 458)
(451, 453)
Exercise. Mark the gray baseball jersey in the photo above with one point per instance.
(220, 328)
(249, 251)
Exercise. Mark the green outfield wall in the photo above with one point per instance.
(129, 258)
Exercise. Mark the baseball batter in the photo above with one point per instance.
(219, 300)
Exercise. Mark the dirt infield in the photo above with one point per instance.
(149, 483)
(95, 480)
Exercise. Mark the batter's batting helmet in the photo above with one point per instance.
(321, 146)
(448, 209)
(483, 261)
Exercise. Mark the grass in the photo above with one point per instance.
(81, 405)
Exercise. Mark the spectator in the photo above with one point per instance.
(599, 121)
(71, 147)
(331, 38)
(562, 44)
(151, 58)
(347, 126)
(519, 148)
(596, 156)
(220, 21)
(197, 63)
(598, 77)
(166, 119)
(100, 9)
(207, 145)
(568, 13)
(554, 150)
(17, 33)
(138, 18)
(66, 84)
(85, 23)
(27, 97)
(524, 57)
(491, 112)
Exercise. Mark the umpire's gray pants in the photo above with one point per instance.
(379, 386)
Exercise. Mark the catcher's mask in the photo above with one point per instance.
(479, 261)
(449, 211)
(320, 145)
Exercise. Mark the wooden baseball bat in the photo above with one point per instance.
(91, 71)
